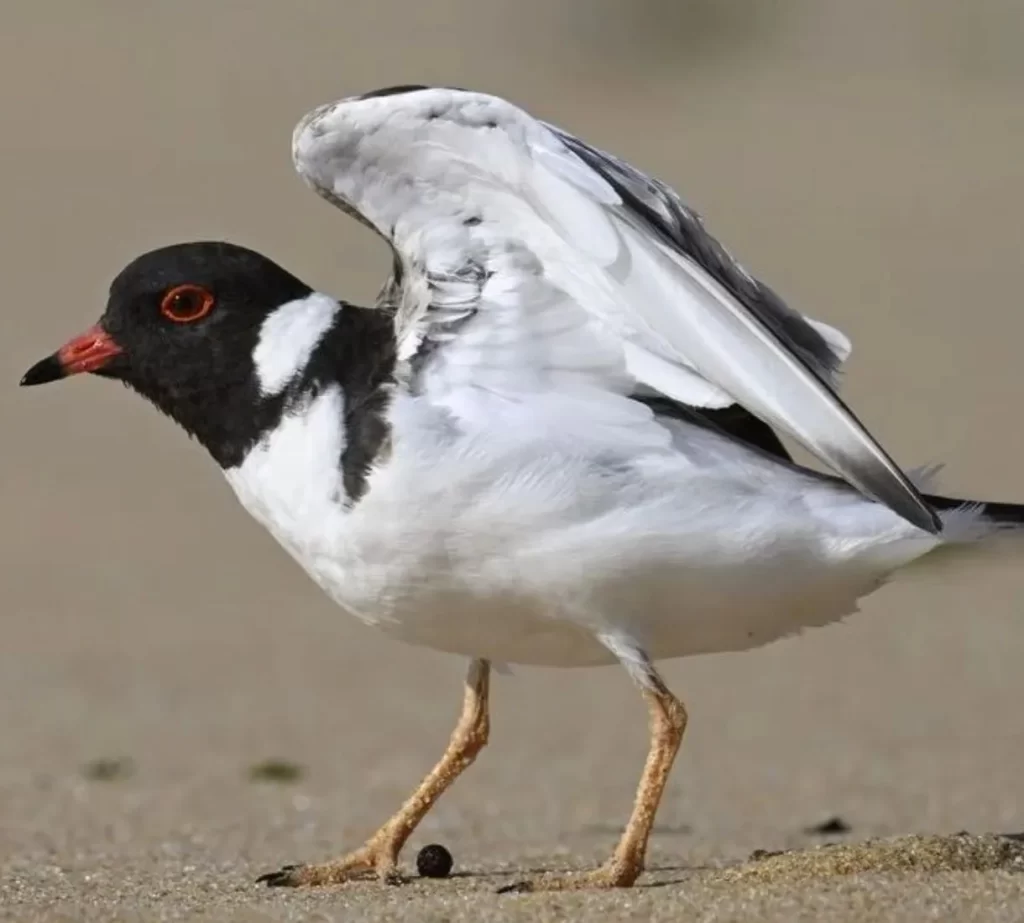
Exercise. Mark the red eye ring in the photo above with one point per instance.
(184, 304)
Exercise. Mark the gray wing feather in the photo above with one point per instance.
(668, 217)
(462, 185)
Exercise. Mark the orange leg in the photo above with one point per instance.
(379, 855)
(667, 723)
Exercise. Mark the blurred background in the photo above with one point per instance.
(866, 159)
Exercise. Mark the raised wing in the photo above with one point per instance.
(533, 257)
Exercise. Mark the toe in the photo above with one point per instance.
(606, 877)
(288, 876)
(517, 887)
(356, 866)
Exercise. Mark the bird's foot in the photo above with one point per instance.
(379, 858)
(613, 874)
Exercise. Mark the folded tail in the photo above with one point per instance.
(964, 521)
(968, 528)
(997, 516)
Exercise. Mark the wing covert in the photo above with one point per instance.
(530, 260)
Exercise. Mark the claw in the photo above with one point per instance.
(284, 877)
(517, 887)
(610, 875)
(357, 866)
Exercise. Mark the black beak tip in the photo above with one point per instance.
(49, 369)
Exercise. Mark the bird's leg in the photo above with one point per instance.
(379, 855)
(667, 724)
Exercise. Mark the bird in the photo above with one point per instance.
(556, 439)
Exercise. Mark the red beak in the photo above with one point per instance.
(86, 353)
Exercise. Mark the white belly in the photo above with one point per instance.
(489, 549)
(667, 615)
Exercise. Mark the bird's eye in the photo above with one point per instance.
(186, 303)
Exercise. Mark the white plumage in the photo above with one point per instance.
(517, 457)
(495, 542)
(288, 339)
(566, 275)
(528, 510)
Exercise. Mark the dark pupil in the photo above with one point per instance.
(185, 303)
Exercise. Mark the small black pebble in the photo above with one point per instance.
(831, 827)
(434, 861)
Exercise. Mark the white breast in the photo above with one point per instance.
(291, 480)
(525, 551)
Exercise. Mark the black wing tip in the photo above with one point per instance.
(687, 232)
(928, 519)
(401, 89)
(908, 503)
(396, 90)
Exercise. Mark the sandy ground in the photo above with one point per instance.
(156, 646)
